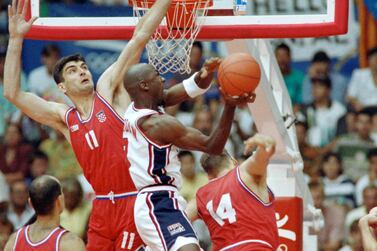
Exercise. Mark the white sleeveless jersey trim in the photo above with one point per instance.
(150, 163)
(16, 240)
(245, 242)
(58, 239)
(39, 242)
(110, 107)
(141, 131)
(240, 181)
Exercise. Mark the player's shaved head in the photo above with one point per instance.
(43, 193)
(136, 74)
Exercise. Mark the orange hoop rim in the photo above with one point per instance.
(189, 3)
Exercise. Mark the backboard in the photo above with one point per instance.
(263, 19)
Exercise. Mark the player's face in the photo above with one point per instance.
(77, 78)
(157, 86)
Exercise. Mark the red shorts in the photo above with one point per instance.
(112, 227)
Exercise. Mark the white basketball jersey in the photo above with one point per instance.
(150, 163)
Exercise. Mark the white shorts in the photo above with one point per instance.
(161, 221)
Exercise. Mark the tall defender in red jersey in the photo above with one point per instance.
(45, 234)
(94, 127)
(237, 205)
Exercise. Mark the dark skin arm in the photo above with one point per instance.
(165, 129)
(203, 79)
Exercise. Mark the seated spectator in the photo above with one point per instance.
(14, 155)
(62, 159)
(338, 187)
(191, 179)
(293, 78)
(362, 91)
(321, 67)
(38, 166)
(353, 147)
(4, 194)
(19, 212)
(323, 114)
(76, 213)
(347, 123)
(369, 202)
(368, 179)
(354, 242)
(6, 229)
(41, 80)
(331, 236)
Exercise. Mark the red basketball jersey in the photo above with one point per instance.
(50, 243)
(237, 218)
(98, 146)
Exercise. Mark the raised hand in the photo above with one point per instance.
(264, 142)
(209, 66)
(18, 26)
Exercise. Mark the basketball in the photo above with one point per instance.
(239, 73)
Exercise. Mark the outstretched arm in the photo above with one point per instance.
(194, 86)
(48, 113)
(366, 225)
(132, 52)
(256, 165)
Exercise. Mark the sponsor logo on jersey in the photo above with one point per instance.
(176, 228)
(101, 116)
(74, 128)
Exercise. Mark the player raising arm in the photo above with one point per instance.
(93, 126)
(368, 226)
(237, 205)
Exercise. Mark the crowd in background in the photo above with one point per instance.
(336, 131)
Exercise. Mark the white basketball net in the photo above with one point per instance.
(169, 48)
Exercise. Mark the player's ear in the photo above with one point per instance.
(62, 87)
(144, 85)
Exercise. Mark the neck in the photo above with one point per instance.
(324, 102)
(147, 103)
(47, 221)
(84, 104)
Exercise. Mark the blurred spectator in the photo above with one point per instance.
(14, 155)
(369, 202)
(6, 229)
(346, 123)
(19, 212)
(62, 160)
(331, 236)
(242, 129)
(191, 180)
(368, 179)
(293, 78)
(76, 214)
(41, 80)
(354, 242)
(323, 114)
(362, 90)
(353, 147)
(203, 121)
(321, 67)
(4, 194)
(38, 166)
(338, 187)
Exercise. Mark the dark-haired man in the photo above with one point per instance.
(46, 197)
(93, 126)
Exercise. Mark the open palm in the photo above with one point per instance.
(18, 26)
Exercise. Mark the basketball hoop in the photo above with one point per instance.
(170, 46)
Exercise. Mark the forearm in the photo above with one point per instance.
(12, 68)
(219, 136)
